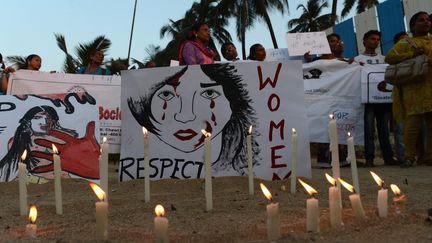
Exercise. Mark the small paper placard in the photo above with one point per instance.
(300, 43)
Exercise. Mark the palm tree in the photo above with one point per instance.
(362, 5)
(18, 62)
(310, 20)
(333, 12)
(152, 51)
(246, 11)
(83, 51)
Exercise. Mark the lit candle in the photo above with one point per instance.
(399, 199)
(208, 170)
(250, 162)
(293, 161)
(161, 225)
(382, 196)
(146, 166)
(22, 177)
(353, 161)
(334, 149)
(273, 219)
(103, 167)
(334, 203)
(31, 228)
(101, 213)
(312, 211)
(57, 181)
(356, 203)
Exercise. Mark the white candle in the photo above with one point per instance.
(355, 200)
(22, 177)
(250, 161)
(103, 167)
(101, 213)
(31, 228)
(273, 218)
(146, 166)
(334, 149)
(161, 225)
(208, 170)
(294, 145)
(312, 209)
(382, 201)
(334, 203)
(57, 181)
(353, 161)
(398, 199)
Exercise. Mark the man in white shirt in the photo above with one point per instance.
(381, 112)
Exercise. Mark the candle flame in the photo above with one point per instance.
(347, 185)
(98, 191)
(144, 130)
(24, 155)
(33, 214)
(250, 130)
(159, 210)
(293, 130)
(104, 139)
(349, 134)
(377, 179)
(266, 191)
(206, 134)
(395, 189)
(308, 188)
(54, 148)
(331, 116)
(330, 179)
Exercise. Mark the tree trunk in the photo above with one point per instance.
(243, 43)
(334, 15)
(270, 27)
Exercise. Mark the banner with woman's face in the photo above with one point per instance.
(33, 123)
(175, 103)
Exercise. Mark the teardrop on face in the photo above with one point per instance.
(165, 105)
(163, 116)
(212, 104)
(213, 118)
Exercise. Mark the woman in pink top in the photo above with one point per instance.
(194, 49)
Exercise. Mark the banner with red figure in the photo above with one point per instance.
(105, 88)
(34, 123)
(175, 104)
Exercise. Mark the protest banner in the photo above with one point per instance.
(175, 103)
(105, 88)
(313, 42)
(35, 122)
(332, 87)
(374, 88)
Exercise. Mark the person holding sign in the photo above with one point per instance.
(94, 66)
(195, 50)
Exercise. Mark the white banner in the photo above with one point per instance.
(105, 88)
(374, 88)
(175, 103)
(34, 123)
(332, 87)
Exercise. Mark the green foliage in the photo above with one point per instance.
(83, 51)
(310, 20)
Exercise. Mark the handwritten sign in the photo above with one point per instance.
(280, 54)
(300, 43)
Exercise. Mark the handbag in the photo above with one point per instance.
(410, 71)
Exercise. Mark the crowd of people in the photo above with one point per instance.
(409, 116)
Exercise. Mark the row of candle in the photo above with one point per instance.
(335, 205)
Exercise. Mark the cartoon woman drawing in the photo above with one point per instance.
(38, 129)
(210, 97)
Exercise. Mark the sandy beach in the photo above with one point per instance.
(237, 216)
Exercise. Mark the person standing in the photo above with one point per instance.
(414, 101)
(229, 52)
(381, 112)
(94, 66)
(195, 50)
(257, 53)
